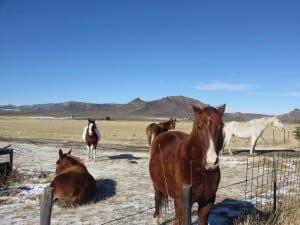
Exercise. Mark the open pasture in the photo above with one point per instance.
(122, 132)
(124, 189)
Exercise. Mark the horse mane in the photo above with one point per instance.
(267, 119)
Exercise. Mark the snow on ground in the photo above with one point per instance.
(124, 188)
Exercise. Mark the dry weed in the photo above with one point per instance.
(287, 214)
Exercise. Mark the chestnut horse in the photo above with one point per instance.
(178, 158)
(73, 183)
(91, 136)
(155, 129)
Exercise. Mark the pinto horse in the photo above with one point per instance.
(155, 129)
(251, 129)
(178, 158)
(91, 136)
(72, 183)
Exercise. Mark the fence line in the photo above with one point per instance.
(272, 179)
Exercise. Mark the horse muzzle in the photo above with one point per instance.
(212, 166)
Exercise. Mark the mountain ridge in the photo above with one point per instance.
(136, 109)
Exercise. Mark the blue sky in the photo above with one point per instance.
(242, 53)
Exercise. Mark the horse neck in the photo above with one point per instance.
(93, 130)
(76, 162)
(197, 143)
(74, 168)
(268, 121)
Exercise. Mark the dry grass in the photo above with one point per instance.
(287, 214)
(71, 130)
(14, 177)
(125, 132)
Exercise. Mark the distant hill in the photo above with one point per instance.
(137, 109)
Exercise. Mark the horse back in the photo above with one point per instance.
(167, 140)
(165, 152)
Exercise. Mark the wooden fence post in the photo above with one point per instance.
(46, 206)
(11, 157)
(187, 199)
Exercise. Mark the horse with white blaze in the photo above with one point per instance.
(91, 136)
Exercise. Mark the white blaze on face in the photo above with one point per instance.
(211, 155)
(90, 129)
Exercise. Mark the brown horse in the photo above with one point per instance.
(155, 129)
(91, 136)
(73, 183)
(178, 158)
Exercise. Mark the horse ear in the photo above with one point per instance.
(221, 109)
(69, 153)
(60, 152)
(196, 109)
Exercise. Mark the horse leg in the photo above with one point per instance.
(253, 144)
(88, 152)
(203, 213)
(149, 135)
(152, 137)
(178, 210)
(157, 199)
(227, 143)
(94, 152)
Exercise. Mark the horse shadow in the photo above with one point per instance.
(229, 211)
(131, 158)
(106, 188)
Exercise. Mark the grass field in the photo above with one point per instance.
(121, 132)
(126, 173)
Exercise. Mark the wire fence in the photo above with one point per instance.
(272, 179)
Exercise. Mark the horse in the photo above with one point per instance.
(155, 129)
(251, 129)
(72, 183)
(178, 158)
(91, 136)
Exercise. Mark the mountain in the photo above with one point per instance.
(137, 109)
(291, 117)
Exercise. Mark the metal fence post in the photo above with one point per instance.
(274, 181)
(187, 199)
(46, 206)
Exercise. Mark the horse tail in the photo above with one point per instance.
(164, 202)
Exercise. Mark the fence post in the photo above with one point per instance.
(275, 181)
(187, 199)
(46, 206)
(11, 156)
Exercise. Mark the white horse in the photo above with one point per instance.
(252, 129)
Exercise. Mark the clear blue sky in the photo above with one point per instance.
(242, 53)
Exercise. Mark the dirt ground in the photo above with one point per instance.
(124, 188)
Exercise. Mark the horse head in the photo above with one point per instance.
(277, 123)
(207, 129)
(172, 124)
(65, 161)
(91, 126)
